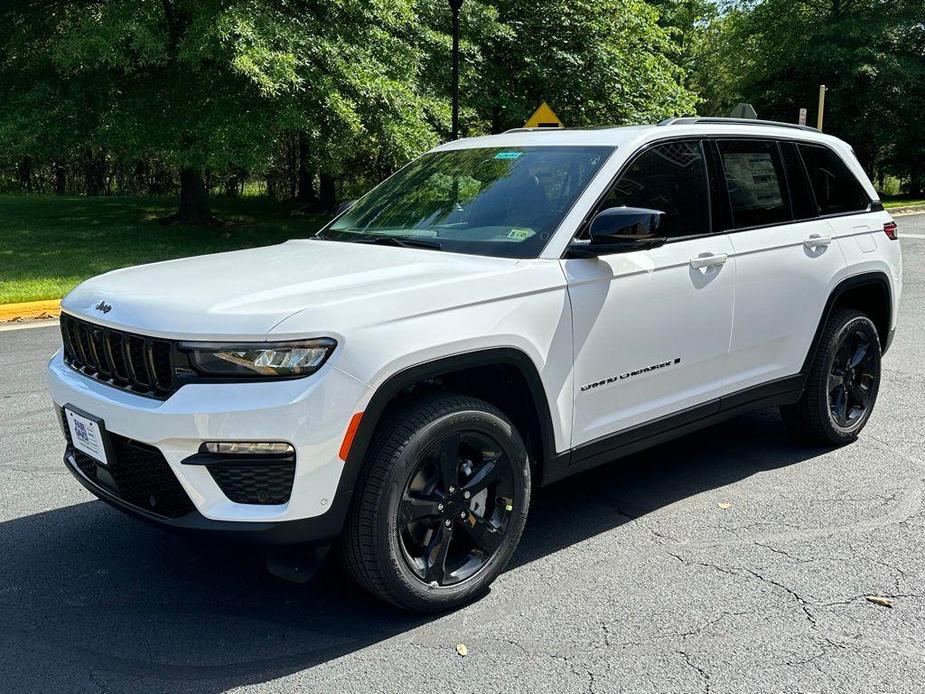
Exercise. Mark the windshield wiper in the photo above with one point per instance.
(404, 242)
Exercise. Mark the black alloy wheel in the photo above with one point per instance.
(456, 508)
(440, 505)
(842, 383)
(852, 378)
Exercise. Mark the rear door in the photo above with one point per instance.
(842, 201)
(785, 259)
(651, 328)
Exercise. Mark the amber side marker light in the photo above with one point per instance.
(348, 437)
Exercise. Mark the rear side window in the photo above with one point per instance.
(837, 190)
(670, 177)
(755, 182)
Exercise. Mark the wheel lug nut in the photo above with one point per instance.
(462, 514)
(452, 489)
(447, 522)
(439, 507)
(466, 495)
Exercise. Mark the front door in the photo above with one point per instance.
(651, 328)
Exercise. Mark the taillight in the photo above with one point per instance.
(890, 230)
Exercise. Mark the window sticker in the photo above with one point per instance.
(520, 234)
(508, 155)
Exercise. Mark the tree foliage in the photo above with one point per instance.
(596, 62)
(869, 53)
(195, 95)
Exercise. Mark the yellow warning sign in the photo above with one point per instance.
(544, 117)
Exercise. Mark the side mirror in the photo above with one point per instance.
(621, 229)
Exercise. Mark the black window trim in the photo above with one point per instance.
(806, 180)
(785, 183)
(710, 150)
(597, 206)
(874, 206)
(870, 203)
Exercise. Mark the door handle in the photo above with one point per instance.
(815, 240)
(708, 260)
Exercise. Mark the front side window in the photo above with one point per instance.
(489, 201)
(837, 190)
(670, 177)
(755, 182)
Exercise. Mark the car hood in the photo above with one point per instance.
(245, 294)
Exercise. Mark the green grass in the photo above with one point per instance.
(901, 201)
(48, 245)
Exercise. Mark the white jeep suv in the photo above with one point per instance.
(501, 313)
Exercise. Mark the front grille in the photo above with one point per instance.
(255, 484)
(137, 363)
(138, 474)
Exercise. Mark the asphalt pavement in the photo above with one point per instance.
(731, 560)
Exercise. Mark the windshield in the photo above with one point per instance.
(489, 201)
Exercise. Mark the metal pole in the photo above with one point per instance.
(821, 110)
(455, 5)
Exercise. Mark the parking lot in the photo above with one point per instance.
(729, 561)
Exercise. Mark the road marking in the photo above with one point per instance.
(911, 236)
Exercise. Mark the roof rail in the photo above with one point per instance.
(533, 130)
(697, 120)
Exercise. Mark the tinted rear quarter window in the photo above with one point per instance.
(836, 188)
(755, 182)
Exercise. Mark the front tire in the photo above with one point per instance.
(842, 385)
(440, 505)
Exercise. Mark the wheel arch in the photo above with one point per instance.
(869, 292)
(461, 371)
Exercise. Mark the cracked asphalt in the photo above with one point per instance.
(731, 560)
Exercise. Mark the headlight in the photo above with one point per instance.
(279, 359)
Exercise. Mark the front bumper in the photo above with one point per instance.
(320, 530)
(311, 414)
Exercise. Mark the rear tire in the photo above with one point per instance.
(842, 385)
(440, 505)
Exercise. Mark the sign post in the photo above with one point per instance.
(822, 91)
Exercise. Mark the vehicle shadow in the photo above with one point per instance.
(90, 599)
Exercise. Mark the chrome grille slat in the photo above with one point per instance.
(138, 362)
(99, 352)
(162, 364)
(149, 363)
(83, 339)
(133, 362)
(75, 340)
(114, 356)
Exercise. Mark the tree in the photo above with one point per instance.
(209, 84)
(870, 54)
(596, 63)
(695, 29)
(208, 91)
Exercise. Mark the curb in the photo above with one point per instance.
(30, 309)
(902, 211)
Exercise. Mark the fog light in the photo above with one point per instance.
(247, 448)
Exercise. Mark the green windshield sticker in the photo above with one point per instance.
(508, 155)
(520, 234)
